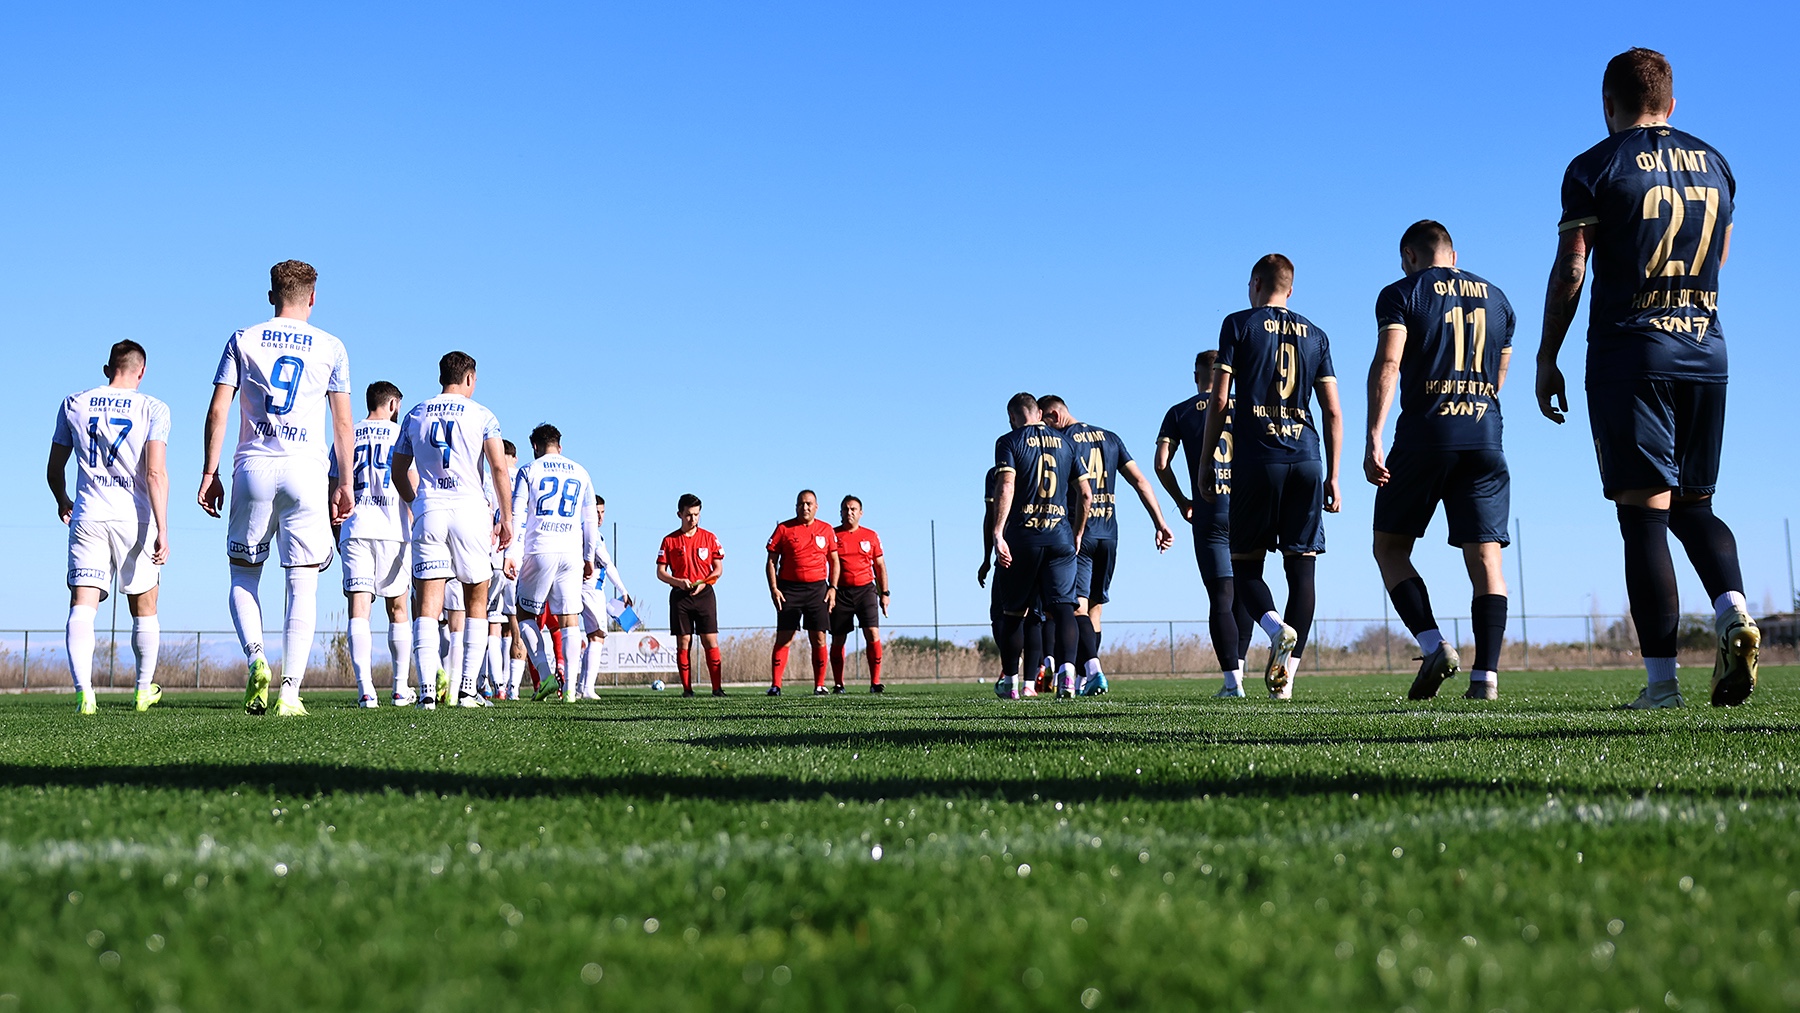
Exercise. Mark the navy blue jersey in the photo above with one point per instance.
(1456, 324)
(1276, 356)
(1184, 426)
(1044, 464)
(1660, 201)
(1104, 454)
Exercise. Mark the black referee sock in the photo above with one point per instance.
(1413, 603)
(1012, 643)
(1087, 641)
(1246, 625)
(1710, 546)
(1650, 579)
(1489, 614)
(1302, 597)
(1224, 622)
(1062, 631)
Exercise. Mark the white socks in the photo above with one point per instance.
(79, 638)
(146, 640)
(1271, 624)
(360, 650)
(474, 652)
(543, 656)
(297, 633)
(453, 664)
(590, 667)
(400, 649)
(1730, 601)
(1490, 678)
(246, 610)
(572, 639)
(1092, 667)
(425, 651)
(1660, 670)
(496, 674)
(1430, 640)
(1234, 679)
(1293, 666)
(515, 674)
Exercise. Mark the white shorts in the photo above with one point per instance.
(551, 580)
(453, 544)
(376, 566)
(503, 595)
(593, 610)
(280, 499)
(100, 549)
(453, 596)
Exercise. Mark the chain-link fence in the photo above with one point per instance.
(211, 659)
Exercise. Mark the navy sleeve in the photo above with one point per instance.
(1390, 308)
(1227, 345)
(1579, 204)
(1170, 429)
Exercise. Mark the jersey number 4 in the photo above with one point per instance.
(440, 434)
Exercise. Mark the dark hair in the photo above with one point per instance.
(290, 282)
(847, 500)
(599, 500)
(455, 367)
(1426, 237)
(1275, 271)
(1021, 403)
(544, 435)
(511, 451)
(379, 392)
(1049, 401)
(124, 355)
(1205, 360)
(802, 494)
(687, 499)
(1639, 81)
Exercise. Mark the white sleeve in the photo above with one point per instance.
(515, 550)
(590, 521)
(603, 557)
(229, 371)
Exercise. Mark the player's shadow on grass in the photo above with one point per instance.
(311, 780)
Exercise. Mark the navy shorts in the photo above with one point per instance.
(1473, 485)
(693, 613)
(1277, 506)
(1212, 537)
(1094, 569)
(1042, 573)
(1654, 434)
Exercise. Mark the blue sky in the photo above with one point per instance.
(740, 249)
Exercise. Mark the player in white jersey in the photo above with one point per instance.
(118, 521)
(594, 611)
(455, 526)
(285, 373)
(553, 556)
(377, 563)
(503, 601)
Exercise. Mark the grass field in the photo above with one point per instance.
(932, 849)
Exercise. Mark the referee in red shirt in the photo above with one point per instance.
(803, 574)
(862, 592)
(690, 561)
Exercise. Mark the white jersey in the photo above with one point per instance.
(604, 568)
(283, 369)
(553, 509)
(378, 513)
(108, 427)
(445, 437)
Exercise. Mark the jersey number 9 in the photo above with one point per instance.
(285, 377)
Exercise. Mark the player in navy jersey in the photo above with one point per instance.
(1033, 627)
(1654, 206)
(1037, 528)
(1279, 487)
(1107, 459)
(1184, 427)
(1444, 338)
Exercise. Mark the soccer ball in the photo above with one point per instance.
(657, 685)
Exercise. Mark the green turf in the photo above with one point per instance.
(1154, 849)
